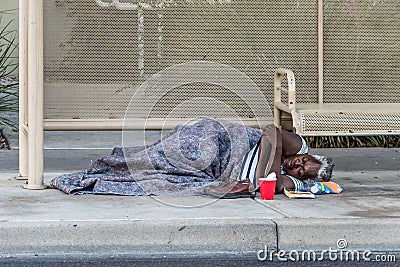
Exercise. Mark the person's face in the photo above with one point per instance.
(302, 166)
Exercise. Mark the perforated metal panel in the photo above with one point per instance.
(350, 119)
(352, 123)
(96, 58)
(361, 51)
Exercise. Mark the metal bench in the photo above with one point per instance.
(330, 119)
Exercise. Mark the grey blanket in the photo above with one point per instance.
(182, 163)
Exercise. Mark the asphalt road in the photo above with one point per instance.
(226, 261)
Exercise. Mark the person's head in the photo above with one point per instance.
(307, 167)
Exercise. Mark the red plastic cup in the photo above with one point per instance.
(267, 187)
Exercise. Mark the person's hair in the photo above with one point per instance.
(325, 171)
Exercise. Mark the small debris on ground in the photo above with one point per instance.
(3, 141)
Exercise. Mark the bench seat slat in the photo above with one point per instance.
(348, 118)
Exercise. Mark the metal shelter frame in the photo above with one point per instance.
(31, 116)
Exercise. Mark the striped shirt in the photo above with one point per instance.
(249, 165)
(250, 160)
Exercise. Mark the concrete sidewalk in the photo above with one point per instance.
(366, 216)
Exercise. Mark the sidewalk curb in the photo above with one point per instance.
(137, 237)
(196, 236)
(352, 234)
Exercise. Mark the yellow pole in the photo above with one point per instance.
(35, 95)
(23, 64)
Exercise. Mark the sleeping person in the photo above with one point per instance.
(194, 159)
(290, 162)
